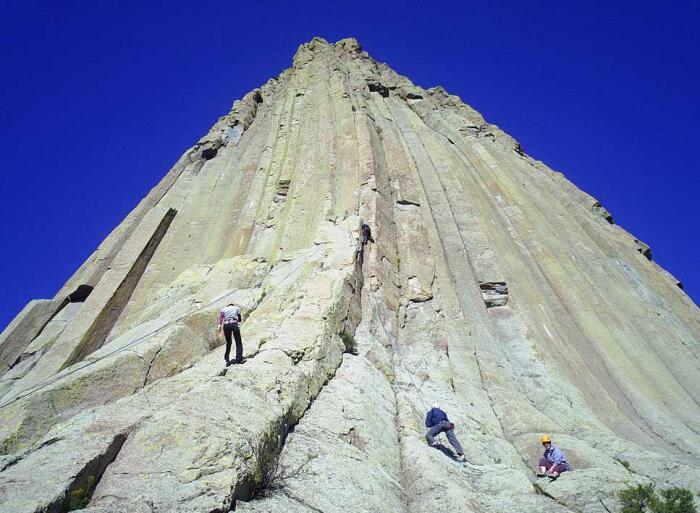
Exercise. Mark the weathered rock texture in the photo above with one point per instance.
(494, 287)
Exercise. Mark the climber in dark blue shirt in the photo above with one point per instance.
(437, 422)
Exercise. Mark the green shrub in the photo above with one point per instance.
(638, 499)
(349, 342)
(77, 499)
(644, 498)
(80, 497)
(677, 500)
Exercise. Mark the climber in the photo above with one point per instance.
(366, 234)
(229, 318)
(437, 422)
(366, 237)
(553, 462)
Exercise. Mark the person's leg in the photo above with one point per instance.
(227, 336)
(454, 442)
(239, 344)
(555, 470)
(432, 433)
(544, 466)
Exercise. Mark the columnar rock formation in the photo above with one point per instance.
(495, 287)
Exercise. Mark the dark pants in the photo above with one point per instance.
(444, 427)
(559, 468)
(233, 328)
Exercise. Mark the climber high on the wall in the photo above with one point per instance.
(437, 422)
(366, 237)
(366, 234)
(229, 319)
(553, 462)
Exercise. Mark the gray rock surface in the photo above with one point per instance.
(494, 287)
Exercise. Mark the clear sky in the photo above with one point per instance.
(99, 99)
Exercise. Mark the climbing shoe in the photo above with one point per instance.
(460, 457)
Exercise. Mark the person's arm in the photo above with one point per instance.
(557, 456)
(221, 319)
(428, 419)
(240, 316)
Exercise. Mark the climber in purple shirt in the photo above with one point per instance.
(553, 462)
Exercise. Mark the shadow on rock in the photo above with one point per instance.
(446, 451)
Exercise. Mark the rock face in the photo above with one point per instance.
(494, 287)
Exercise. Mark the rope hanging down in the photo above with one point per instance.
(50, 381)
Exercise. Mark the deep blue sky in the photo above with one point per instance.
(99, 99)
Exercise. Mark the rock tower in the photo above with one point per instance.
(494, 287)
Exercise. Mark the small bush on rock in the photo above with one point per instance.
(645, 499)
(637, 499)
(349, 342)
(80, 497)
(677, 500)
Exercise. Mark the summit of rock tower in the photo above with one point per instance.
(388, 249)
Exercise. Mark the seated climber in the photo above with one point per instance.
(437, 422)
(366, 234)
(229, 318)
(553, 462)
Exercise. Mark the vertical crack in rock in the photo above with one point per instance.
(384, 190)
(150, 365)
(83, 484)
(13, 460)
(103, 323)
(267, 475)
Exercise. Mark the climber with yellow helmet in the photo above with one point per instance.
(553, 462)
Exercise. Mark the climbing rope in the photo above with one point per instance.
(410, 376)
(50, 381)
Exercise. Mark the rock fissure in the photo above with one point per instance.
(105, 321)
(13, 460)
(267, 476)
(82, 485)
(150, 365)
